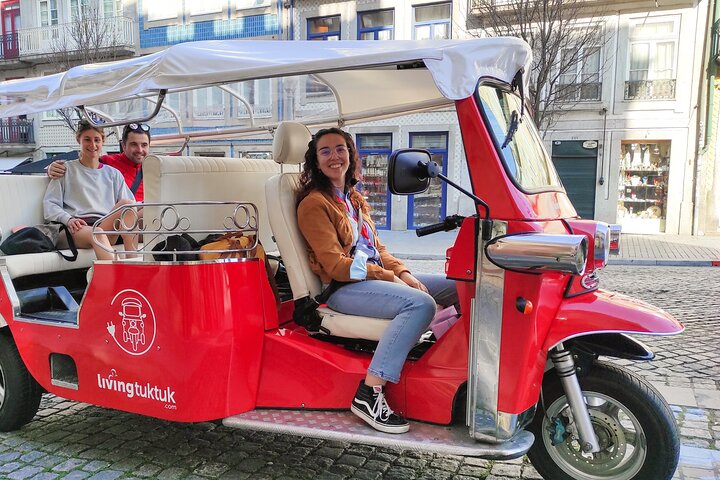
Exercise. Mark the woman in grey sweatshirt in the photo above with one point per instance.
(89, 190)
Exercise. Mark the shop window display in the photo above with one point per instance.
(374, 150)
(642, 188)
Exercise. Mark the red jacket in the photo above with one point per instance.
(128, 168)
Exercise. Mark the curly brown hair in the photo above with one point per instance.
(312, 178)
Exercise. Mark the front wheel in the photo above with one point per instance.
(636, 430)
(20, 394)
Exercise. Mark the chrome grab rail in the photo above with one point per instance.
(173, 219)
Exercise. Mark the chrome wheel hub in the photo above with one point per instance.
(623, 446)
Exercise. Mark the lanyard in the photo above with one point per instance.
(357, 216)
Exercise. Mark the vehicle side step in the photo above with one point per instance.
(343, 426)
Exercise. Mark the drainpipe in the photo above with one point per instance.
(706, 96)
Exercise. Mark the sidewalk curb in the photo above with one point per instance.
(648, 262)
(418, 256)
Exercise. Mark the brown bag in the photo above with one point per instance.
(232, 241)
(238, 242)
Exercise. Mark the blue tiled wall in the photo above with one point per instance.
(244, 27)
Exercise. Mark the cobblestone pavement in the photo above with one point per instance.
(76, 441)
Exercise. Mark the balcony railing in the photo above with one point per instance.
(16, 130)
(9, 46)
(579, 92)
(116, 32)
(650, 89)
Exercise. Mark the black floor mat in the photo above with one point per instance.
(60, 316)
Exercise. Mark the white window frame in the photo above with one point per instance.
(117, 9)
(205, 7)
(210, 111)
(78, 9)
(259, 109)
(161, 10)
(579, 74)
(653, 41)
(433, 23)
(250, 4)
(47, 4)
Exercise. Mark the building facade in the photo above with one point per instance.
(627, 150)
(42, 37)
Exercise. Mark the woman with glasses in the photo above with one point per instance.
(88, 191)
(344, 247)
(135, 145)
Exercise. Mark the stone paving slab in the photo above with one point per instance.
(69, 440)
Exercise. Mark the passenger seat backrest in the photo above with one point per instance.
(289, 147)
(21, 197)
(169, 179)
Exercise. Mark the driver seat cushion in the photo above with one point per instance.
(289, 146)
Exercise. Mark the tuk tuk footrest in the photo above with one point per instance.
(343, 426)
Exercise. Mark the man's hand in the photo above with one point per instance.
(56, 169)
(76, 224)
(412, 281)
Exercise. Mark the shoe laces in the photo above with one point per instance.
(381, 410)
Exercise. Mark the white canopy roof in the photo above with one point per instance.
(453, 70)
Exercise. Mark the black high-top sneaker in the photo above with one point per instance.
(370, 405)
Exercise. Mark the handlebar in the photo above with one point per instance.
(450, 223)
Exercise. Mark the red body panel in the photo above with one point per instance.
(602, 311)
(201, 352)
(464, 252)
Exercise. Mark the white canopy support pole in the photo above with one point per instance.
(158, 105)
(170, 110)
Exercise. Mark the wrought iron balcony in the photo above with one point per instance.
(579, 92)
(28, 43)
(16, 130)
(650, 89)
(9, 46)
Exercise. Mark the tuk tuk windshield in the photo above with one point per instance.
(518, 141)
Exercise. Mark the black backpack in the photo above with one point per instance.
(176, 243)
(33, 240)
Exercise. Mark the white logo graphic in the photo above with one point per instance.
(134, 389)
(137, 320)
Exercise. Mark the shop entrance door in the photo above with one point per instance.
(576, 163)
(10, 12)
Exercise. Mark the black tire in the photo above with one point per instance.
(20, 394)
(636, 428)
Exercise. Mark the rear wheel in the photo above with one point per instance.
(20, 394)
(635, 427)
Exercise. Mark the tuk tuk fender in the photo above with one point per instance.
(607, 312)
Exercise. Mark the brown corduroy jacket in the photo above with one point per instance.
(328, 232)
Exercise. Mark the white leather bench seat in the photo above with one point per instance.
(21, 199)
(35, 263)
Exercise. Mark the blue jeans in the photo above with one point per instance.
(408, 310)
